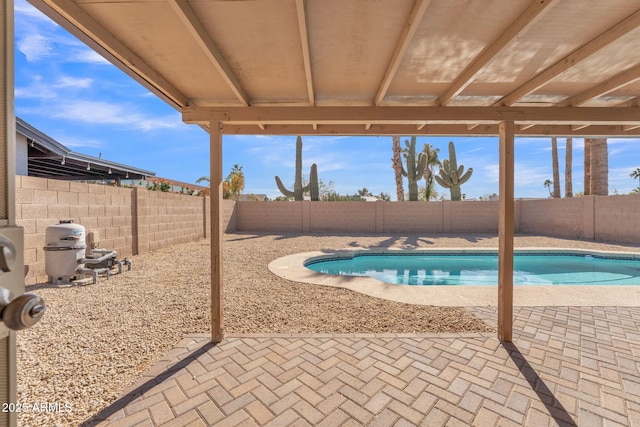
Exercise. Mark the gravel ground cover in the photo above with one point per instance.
(96, 340)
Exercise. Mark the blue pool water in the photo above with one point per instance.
(482, 269)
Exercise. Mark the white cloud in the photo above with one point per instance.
(39, 88)
(524, 174)
(72, 82)
(75, 141)
(22, 8)
(91, 112)
(35, 47)
(88, 56)
(492, 172)
(155, 123)
(106, 113)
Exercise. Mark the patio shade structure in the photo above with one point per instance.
(47, 158)
(387, 67)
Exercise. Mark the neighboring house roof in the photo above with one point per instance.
(47, 158)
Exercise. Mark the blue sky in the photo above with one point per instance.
(71, 93)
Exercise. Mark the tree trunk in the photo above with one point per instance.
(587, 167)
(568, 169)
(556, 171)
(397, 168)
(427, 174)
(599, 167)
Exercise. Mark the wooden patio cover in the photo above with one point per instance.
(380, 67)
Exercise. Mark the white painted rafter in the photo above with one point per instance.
(189, 18)
(561, 121)
(410, 28)
(86, 28)
(616, 82)
(583, 52)
(529, 17)
(416, 115)
(304, 42)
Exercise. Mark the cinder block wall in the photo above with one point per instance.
(367, 217)
(473, 217)
(130, 221)
(412, 217)
(282, 217)
(601, 218)
(99, 208)
(166, 219)
(617, 218)
(555, 217)
(340, 217)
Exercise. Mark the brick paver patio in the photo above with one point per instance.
(567, 366)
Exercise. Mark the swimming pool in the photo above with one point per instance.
(531, 267)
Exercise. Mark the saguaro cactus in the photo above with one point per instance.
(451, 175)
(314, 188)
(415, 167)
(298, 188)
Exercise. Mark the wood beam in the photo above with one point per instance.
(202, 38)
(525, 127)
(71, 17)
(433, 130)
(410, 28)
(505, 232)
(530, 16)
(304, 42)
(616, 82)
(578, 127)
(417, 115)
(583, 52)
(215, 181)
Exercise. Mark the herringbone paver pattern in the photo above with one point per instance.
(567, 366)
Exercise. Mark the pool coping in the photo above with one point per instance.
(292, 268)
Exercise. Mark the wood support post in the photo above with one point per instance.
(505, 233)
(215, 182)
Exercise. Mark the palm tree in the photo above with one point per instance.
(636, 175)
(548, 183)
(203, 179)
(556, 172)
(568, 172)
(599, 167)
(364, 192)
(235, 182)
(432, 162)
(397, 167)
(205, 192)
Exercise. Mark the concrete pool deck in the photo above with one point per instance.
(292, 268)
